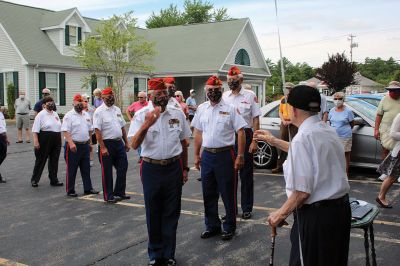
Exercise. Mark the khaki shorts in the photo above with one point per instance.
(22, 121)
(346, 142)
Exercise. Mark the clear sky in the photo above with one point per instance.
(310, 29)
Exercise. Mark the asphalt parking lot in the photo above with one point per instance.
(41, 226)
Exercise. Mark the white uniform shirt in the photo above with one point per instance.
(324, 106)
(78, 125)
(246, 102)
(3, 128)
(163, 138)
(172, 102)
(109, 121)
(218, 124)
(316, 163)
(46, 121)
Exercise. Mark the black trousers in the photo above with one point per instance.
(324, 233)
(50, 147)
(3, 149)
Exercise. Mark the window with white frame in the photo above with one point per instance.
(102, 82)
(73, 35)
(53, 85)
(8, 79)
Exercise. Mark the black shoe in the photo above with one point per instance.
(72, 194)
(223, 217)
(227, 235)
(157, 262)
(117, 198)
(112, 200)
(170, 262)
(92, 191)
(246, 215)
(57, 184)
(210, 233)
(34, 184)
(123, 197)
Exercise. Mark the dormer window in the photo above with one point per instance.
(73, 35)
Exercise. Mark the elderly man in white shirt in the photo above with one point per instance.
(316, 185)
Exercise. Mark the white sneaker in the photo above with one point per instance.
(382, 177)
(91, 163)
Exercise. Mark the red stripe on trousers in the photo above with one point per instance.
(234, 182)
(67, 172)
(103, 181)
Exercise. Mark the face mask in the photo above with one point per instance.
(171, 91)
(160, 101)
(233, 84)
(109, 101)
(50, 106)
(193, 94)
(214, 96)
(394, 95)
(78, 107)
(338, 102)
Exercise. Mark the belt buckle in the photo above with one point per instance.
(163, 162)
(214, 150)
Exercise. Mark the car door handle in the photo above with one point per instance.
(276, 123)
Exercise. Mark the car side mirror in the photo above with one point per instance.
(359, 121)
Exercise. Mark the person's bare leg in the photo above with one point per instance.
(347, 155)
(386, 184)
(19, 135)
(28, 135)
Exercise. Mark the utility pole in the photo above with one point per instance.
(352, 45)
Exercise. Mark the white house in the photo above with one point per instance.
(36, 52)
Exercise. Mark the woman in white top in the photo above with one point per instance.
(46, 131)
(391, 165)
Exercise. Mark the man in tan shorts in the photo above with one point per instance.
(22, 107)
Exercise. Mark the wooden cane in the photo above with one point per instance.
(273, 235)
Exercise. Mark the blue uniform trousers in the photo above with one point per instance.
(246, 175)
(81, 159)
(219, 177)
(162, 187)
(116, 157)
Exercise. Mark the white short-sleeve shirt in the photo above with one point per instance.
(163, 138)
(3, 127)
(78, 125)
(109, 121)
(218, 124)
(246, 102)
(46, 121)
(315, 163)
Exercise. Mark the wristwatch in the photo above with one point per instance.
(186, 168)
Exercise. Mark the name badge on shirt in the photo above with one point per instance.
(223, 113)
(173, 123)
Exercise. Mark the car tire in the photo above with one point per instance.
(265, 156)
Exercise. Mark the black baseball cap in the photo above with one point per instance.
(305, 98)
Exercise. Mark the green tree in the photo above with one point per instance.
(195, 11)
(11, 100)
(378, 69)
(338, 72)
(116, 51)
(167, 17)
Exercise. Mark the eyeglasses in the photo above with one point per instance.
(338, 99)
(170, 87)
(177, 96)
(140, 97)
(214, 90)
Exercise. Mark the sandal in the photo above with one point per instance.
(19, 141)
(385, 206)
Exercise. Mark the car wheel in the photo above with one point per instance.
(266, 155)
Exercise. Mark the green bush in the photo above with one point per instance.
(11, 100)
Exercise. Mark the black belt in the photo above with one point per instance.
(216, 150)
(326, 203)
(114, 140)
(82, 142)
(22, 113)
(161, 162)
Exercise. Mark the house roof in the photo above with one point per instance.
(179, 49)
(365, 82)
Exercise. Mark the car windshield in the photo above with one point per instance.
(364, 108)
(374, 102)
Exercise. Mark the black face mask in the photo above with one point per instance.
(171, 92)
(233, 85)
(109, 101)
(50, 106)
(214, 96)
(79, 107)
(160, 101)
